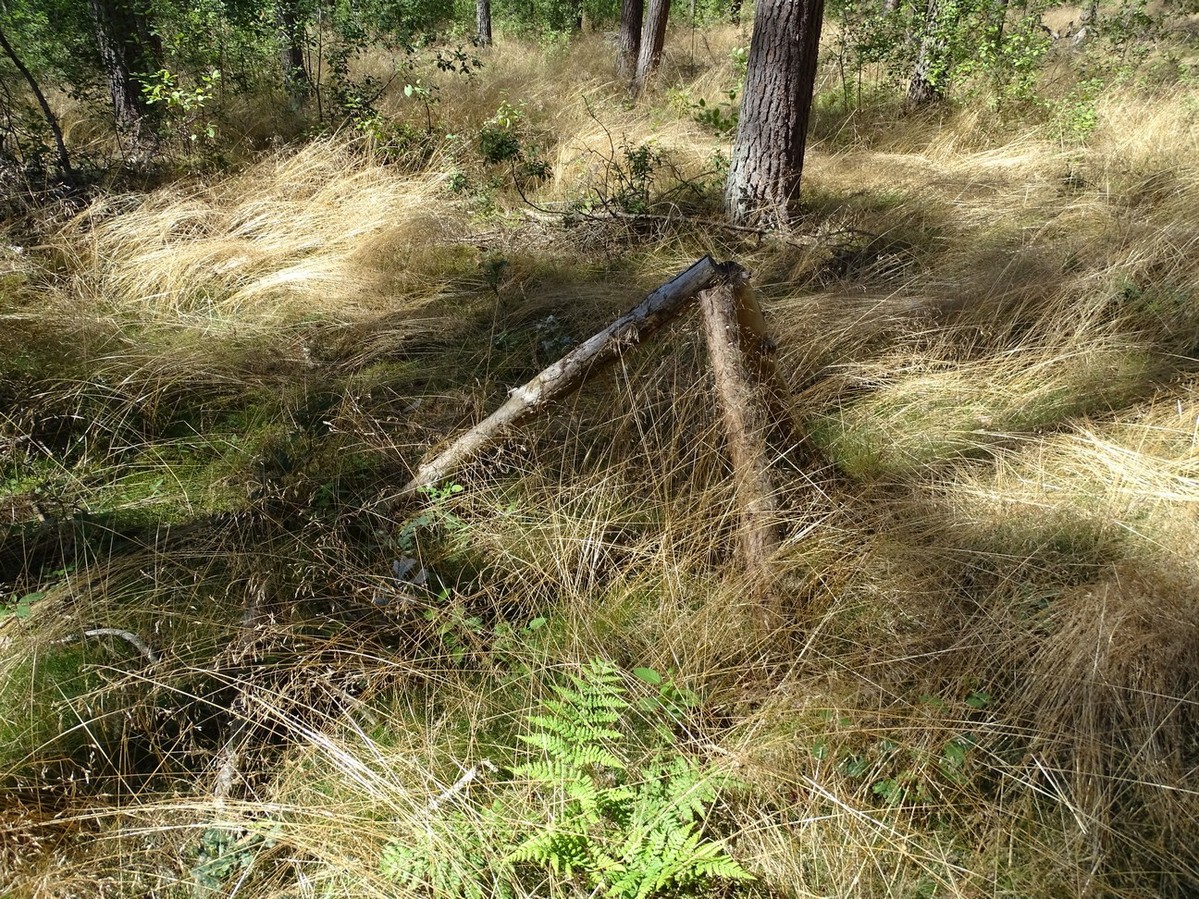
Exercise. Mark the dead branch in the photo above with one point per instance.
(565, 376)
(735, 333)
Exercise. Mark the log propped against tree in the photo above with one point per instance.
(751, 393)
(565, 376)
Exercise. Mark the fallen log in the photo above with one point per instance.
(564, 376)
(741, 363)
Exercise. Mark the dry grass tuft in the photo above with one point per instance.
(316, 232)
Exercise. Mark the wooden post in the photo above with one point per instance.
(564, 376)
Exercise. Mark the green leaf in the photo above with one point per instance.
(978, 700)
(649, 675)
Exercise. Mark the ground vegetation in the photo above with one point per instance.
(238, 659)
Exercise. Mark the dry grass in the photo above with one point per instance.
(990, 688)
(319, 232)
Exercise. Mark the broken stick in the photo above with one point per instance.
(564, 376)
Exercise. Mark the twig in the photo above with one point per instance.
(565, 376)
(460, 784)
(128, 636)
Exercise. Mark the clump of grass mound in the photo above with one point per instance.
(318, 231)
(917, 418)
(1089, 535)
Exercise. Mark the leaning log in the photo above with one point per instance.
(564, 376)
(735, 331)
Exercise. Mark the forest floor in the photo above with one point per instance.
(234, 661)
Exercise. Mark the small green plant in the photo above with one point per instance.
(582, 806)
(163, 88)
(20, 606)
(499, 138)
(1077, 116)
(224, 852)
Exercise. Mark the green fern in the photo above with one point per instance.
(454, 855)
(628, 834)
(626, 837)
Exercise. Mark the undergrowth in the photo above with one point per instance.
(233, 663)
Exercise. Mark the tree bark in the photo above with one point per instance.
(745, 408)
(64, 161)
(653, 40)
(629, 46)
(483, 23)
(128, 47)
(296, 82)
(564, 376)
(763, 181)
(735, 12)
(931, 72)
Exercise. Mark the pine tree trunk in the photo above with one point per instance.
(566, 375)
(128, 47)
(652, 41)
(483, 23)
(745, 406)
(629, 46)
(735, 12)
(763, 181)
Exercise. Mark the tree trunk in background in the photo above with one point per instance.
(576, 15)
(629, 46)
(483, 22)
(296, 82)
(735, 12)
(128, 47)
(652, 41)
(931, 72)
(998, 23)
(763, 182)
(64, 161)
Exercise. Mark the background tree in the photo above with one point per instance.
(64, 160)
(128, 47)
(296, 81)
(931, 71)
(483, 22)
(763, 181)
(653, 39)
(629, 44)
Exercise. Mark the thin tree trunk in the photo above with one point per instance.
(931, 72)
(564, 376)
(735, 12)
(64, 161)
(483, 23)
(999, 22)
(296, 82)
(747, 421)
(763, 181)
(629, 46)
(653, 40)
